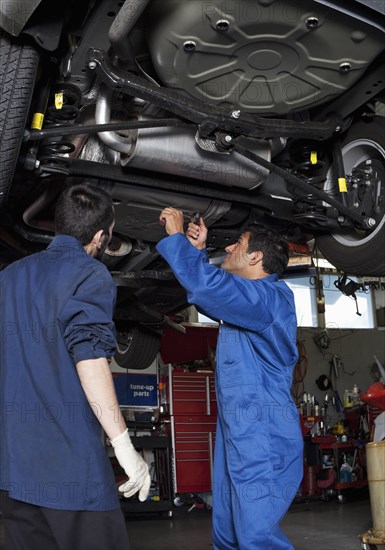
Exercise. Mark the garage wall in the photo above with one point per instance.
(355, 348)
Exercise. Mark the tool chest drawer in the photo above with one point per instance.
(194, 440)
(193, 393)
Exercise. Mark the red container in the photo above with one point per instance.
(375, 395)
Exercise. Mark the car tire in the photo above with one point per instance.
(137, 348)
(18, 72)
(358, 252)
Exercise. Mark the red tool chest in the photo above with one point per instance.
(189, 398)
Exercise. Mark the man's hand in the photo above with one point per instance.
(172, 219)
(197, 234)
(135, 467)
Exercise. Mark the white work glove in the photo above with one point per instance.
(135, 467)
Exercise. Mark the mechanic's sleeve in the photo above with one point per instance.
(220, 294)
(86, 318)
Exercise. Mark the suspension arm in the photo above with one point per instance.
(206, 116)
(74, 129)
(303, 185)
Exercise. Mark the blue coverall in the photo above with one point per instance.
(258, 448)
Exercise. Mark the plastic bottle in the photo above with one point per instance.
(345, 472)
(348, 399)
(308, 405)
(356, 396)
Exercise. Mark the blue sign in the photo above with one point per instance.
(136, 390)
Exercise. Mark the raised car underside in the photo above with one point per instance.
(244, 111)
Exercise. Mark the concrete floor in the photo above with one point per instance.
(316, 525)
(310, 526)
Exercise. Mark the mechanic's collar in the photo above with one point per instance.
(273, 277)
(66, 241)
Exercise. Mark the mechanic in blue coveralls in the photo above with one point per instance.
(258, 448)
(56, 391)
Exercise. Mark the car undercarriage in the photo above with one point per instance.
(262, 111)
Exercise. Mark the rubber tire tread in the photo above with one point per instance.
(367, 259)
(18, 71)
(142, 351)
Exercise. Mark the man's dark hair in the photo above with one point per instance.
(82, 210)
(272, 245)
